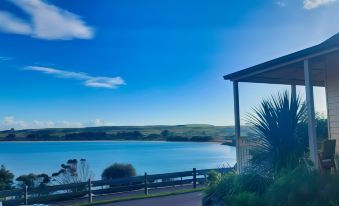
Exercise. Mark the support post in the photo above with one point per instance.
(294, 91)
(26, 195)
(312, 134)
(237, 124)
(145, 184)
(90, 197)
(194, 178)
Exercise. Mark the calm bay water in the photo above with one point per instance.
(150, 157)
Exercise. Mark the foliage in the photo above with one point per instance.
(122, 132)
(244, 189)
(302, 186)
(177, 139)
(279, 139)
(201, 138)
(6, 178)
(73, 171)
(322, 127)
(10, 137)
(246, 199)
(85, 136)
(33, 180)
(165, 133)
(118, 170)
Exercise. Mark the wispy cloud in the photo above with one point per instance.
(12, 24)
(47, 22)
(5, 58)
(281, 3)
(9, 122)
(88, 80)
(312, 4)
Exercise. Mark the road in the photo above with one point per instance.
(188, 199)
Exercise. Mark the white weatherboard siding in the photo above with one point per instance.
(332, 92)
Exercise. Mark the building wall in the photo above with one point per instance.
(332, 92)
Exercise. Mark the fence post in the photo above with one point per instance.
(90, 198)
(145, 183)
(194, 178)
(26, 195)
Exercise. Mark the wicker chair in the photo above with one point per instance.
(327, 156)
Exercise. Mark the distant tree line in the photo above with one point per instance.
(122, 135)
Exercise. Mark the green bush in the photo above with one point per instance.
(236, 189)
(246, 199)
(300, 186)
(304, 187)
(118, 170)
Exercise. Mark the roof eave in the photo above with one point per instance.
(301, 55)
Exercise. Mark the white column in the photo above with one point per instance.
(312, 135)
(237, 124)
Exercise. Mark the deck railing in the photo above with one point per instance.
(55, 193)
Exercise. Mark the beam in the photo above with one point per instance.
(237, 123)
(278, 65)
(266, 80)
(312, 135)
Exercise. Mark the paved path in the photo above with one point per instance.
(188, 199)
(127, 194)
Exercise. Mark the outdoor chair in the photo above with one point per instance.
(327, 156)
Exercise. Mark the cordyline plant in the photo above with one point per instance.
(279, 139)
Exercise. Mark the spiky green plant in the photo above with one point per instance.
(278, 140)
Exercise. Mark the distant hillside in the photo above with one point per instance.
(155, 132)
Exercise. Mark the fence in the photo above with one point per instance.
(87, 189)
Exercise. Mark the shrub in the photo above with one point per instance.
(220, 186)
(304, 187)
(246, 199)
(73, 171)
(33, 180)
(279, 139)
(118, 170)
(300, 186)
(234, 189)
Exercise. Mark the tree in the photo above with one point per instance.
(10, 137)
(118, 170)
(6, 178)
(322, 127)
(33, 180)
(165, 133)
(73, 171)
(278, 140)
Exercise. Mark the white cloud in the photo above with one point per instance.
(47, 22)
(99, 123)
(281, 3)
(312, 4)
(4, 58)
(11, 24)
(88, 80)
(9, 122)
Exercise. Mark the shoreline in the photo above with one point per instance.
(63, 141)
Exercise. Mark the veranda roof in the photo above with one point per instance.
(289, 69)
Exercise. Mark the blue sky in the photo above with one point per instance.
(128, 62)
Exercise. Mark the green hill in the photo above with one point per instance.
(203, 132)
